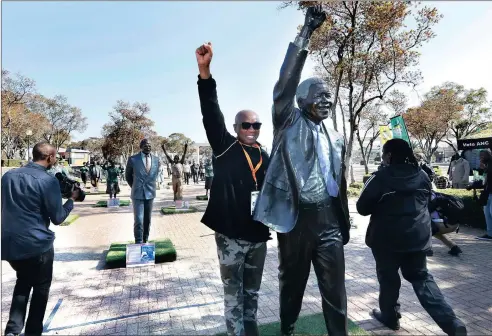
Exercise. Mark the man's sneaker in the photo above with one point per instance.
(455, 250)
(392, 324)
(484, 237)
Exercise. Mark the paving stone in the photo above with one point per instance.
(163, 299)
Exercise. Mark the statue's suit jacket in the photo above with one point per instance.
(293, 156)
(143, 184)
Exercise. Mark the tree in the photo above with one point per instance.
(371, 118)
(397, 102)
(128, 126)
(364, 49)
(475, 115)
(16, 118)
(63, 119)
(14, 138)
(430, 122)
(206, 151)
(175, 143)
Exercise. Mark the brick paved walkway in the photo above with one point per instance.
(185, 297)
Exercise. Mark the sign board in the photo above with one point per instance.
(399, 128)
(482, 143)
(140, 254)
(113, 203)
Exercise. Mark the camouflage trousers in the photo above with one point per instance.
(241, 269)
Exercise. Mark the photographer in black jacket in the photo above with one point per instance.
(399, 234)
(239, 171)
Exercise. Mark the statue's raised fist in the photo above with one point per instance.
(204, 55)
(315, 16)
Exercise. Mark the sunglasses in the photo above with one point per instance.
(247, 125)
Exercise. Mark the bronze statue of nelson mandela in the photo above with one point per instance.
(304, 196)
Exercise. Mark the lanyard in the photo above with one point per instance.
(255, 169)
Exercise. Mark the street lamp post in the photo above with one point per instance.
(28, 133)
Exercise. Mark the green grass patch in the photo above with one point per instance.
(69, 220)
(202, 198)
(172, 210)
(104, 204)
(89, 192)
(307, 325)
(164, 252)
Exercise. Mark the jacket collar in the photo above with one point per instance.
(35, 166)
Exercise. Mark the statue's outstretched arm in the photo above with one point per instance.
(184, 153)
(165, 153)
(284, 91)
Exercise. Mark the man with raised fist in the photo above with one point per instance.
(304, 195)
(240, 166)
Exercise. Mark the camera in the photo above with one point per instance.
(67, 186)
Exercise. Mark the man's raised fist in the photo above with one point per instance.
(204, 55)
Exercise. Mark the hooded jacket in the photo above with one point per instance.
(397, 198)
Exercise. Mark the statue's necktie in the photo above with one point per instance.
(147, 162)
(323, 151)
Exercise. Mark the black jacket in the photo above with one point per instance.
(397, 199)
(229, 208)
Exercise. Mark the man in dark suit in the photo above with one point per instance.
(304, 195)
(142, 170)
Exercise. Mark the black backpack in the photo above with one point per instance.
(450, 208)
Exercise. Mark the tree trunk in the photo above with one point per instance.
(352, 178)
(362, 150)
(348, 153)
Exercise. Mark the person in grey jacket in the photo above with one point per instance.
(31, 199)
(459, 173)
(142, 170)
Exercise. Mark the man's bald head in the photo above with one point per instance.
(246, 115)
(42, 151)
(44, 154)
(247, 126)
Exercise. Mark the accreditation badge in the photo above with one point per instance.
(254, 197)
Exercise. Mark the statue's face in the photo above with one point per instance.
(318, 102)
(146, 147)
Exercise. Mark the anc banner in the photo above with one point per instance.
(385, 134)
(399, 128)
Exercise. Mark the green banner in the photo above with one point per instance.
(399, 128)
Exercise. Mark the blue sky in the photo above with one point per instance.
(98, 52)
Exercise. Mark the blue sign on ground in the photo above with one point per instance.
(140, 254)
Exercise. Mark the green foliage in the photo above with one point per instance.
(357, 185)
(353, 192)
(437, 170)
(175, 144)
(12, 162)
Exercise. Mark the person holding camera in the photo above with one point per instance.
(31, 199)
